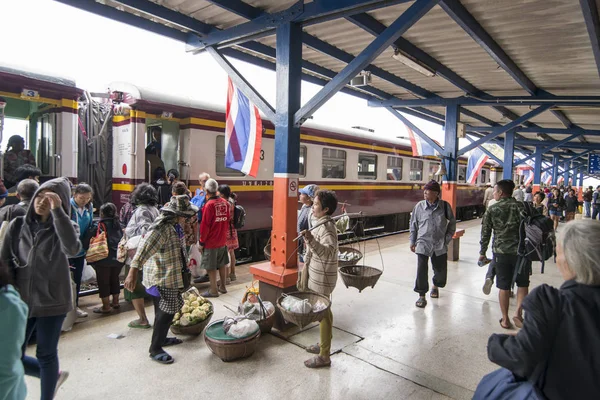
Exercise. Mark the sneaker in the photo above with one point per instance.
(62, 377)
(487, 286)
(81, 313)
(232, 277)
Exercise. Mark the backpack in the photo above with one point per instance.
(239, 216)
(537, 240)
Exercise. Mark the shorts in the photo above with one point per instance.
(556, 213)
(140, 291)
(215, 258)
(505, 265)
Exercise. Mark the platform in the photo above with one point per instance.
(386, 348)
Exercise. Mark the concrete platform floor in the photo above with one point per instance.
(386, 348)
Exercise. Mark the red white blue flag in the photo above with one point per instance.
(243, 132)
(419, 146)
(476, 160)
(527, 172)
(547, 178)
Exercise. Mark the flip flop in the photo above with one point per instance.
(99, 310)
(115, 306)
(136, 324)
(172, 341)
(505, 327)
(317, 362)
(163, 358)
(209, 294)
(435, 293)
(421, 303)
(518, 321)
(223, 291)
(314, 349)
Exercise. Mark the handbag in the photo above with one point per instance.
(98, 249)
(122, 249)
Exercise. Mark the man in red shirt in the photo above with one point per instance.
(213, 238)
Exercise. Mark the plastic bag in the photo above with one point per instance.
(319, 306)
(195, 262)
(71, 317)
(89, 274)
(255, 312)
(296, 305)
(239, 327)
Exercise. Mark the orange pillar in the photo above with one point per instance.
(449, 194)
(536, 188)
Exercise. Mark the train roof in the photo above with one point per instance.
(15, 79)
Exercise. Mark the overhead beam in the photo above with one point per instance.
(592, 22)
(417, 131)
(577, 146)
(374, 49)
(238, 7)
(513, 101)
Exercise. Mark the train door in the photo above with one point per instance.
(45, 139)
(170, 145)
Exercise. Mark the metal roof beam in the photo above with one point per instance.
(426, 117)
(514, 101)
(374, 49)
(553, 145)
(592, 22)
(503, 129)
(416, 130)
(238, 7)
(466, 21)
(580, 146)
(324, 10)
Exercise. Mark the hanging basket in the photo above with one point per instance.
(303, 319)
(360, 276)
(356, 256)
(195, 329)
(228, 348)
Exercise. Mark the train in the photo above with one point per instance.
(100, 138)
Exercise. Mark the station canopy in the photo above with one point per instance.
(498, 60)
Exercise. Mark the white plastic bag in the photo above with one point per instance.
(242, 328)
(71, 315)
(319, 306)
(296, 305)
(89, 274)
(195, 261)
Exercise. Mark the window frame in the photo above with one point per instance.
(412, 169)
(323, 158)
(374, 173)
(302, 165)
(388, 167)
(464, 179)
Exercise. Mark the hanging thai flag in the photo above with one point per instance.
(243, 132)
(547, 178)
(560, 180)
(419, 146)
(528, 177)
(476, 160)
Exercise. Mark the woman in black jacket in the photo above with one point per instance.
(558, 350)
(108, 269)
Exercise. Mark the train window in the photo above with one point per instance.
(462, 174)
(433, 168)
(302, 161)
(220, 167)
(334, 163)
(394, 169)
(416, 170)
(367, 166)
(484, 176)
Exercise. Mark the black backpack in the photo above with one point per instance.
(537, 239)
(239, 216)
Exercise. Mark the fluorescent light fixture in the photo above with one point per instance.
(413, 63)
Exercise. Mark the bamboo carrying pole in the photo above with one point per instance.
(351, 215)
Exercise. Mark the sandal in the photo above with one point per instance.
(209, 294)
(317, 362)
(435, 293)
(505, 327)
(136, 324)
(223, 290)
(314, 349)
(100, 310)
(172, 341)
(163, 358)
(115, 306)
(518, 321)
(421, 303)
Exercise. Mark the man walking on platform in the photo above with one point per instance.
(587, 202)
(432, 226)
(504, 219)
(596, 203)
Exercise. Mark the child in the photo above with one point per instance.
(108, 269)
(320, 269)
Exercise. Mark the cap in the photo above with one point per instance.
(309, 190)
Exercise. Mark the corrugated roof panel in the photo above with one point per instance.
(205, 12)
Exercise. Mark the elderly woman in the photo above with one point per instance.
(556, 352)
(163, 257)
(307, 196)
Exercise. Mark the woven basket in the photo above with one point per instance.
(195, 329)
(266, 324)
(300, 319)
(230, 350)
(360, 276)
(351, 262)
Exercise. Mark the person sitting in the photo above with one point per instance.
(15, 156)
(25, 171)
(556, 351)
(25, 191)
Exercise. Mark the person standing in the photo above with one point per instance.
(587, 202)
(25, 191)
(25, 171)
(571, 204)
(154, 147)
(38, 250)
(163, 257)
(213, 238)
(519, 194)
(15, 156)
(199, 200)
(232, 236)
(596, 203)
(528, 197)
(432, 226)
(307, 196)
(538, 204)
(82, 213)
(321, 270)
(555, 206)
(488, 195)
(504, 220)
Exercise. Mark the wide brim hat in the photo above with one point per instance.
(180, 205)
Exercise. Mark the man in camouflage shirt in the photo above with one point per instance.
(504, 219)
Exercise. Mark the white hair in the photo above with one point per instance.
(211, 186)
(580, 241)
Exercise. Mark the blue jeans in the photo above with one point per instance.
(587, 205)
(77, 268)
(595, 212)
(45, 366)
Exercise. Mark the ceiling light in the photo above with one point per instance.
(413, 63)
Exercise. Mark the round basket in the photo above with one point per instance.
(355, 259)
(360, 276)
(266, 324)
(300, 319)
(195, 329)
(228, 348)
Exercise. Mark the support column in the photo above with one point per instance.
(555, 161)
(580, 184)
(537, 169)
(509, 148)
(451, 160)
(567, 173)
(281, 272)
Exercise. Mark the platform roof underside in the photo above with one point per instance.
(545, 46)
